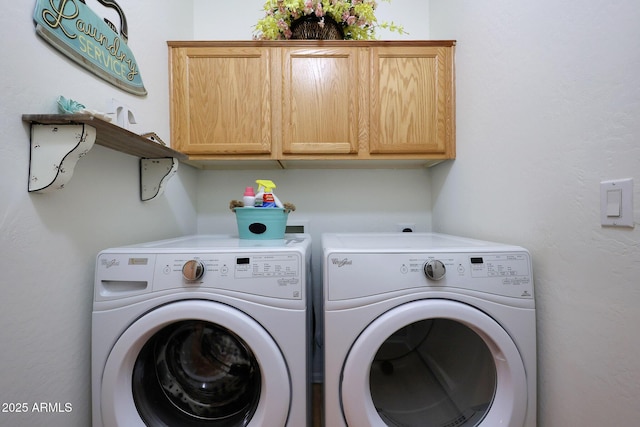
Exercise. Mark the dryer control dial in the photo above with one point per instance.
(435, 269)
(193, 270)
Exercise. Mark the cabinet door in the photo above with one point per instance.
(221, 100)
(411, 108)
(320, 91)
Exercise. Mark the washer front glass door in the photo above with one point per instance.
(434, 363)
(193, 373)
(195, 363)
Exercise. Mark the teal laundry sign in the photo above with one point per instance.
(94, 43)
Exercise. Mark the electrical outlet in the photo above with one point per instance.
(406, 227)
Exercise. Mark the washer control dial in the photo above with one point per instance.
(435, 269)
(193, 270)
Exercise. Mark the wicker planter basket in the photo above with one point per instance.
(310, 27)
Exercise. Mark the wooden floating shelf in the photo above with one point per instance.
(58, 141)
(110, 135)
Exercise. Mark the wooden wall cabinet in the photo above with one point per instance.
(320, 101)
(411, 101)
(313, 103)
(221, 100)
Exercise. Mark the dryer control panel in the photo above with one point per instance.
(507, 266)
(355, 275)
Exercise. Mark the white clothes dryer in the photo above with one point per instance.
(203, 331)
(428, 330)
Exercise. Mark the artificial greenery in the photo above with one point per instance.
(356, 17)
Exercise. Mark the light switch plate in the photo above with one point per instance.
(616, 196)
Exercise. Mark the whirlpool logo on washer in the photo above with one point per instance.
(108, 263)
(341, 262)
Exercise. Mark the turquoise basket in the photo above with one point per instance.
(261, 223)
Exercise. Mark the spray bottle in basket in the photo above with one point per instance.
(265, 193)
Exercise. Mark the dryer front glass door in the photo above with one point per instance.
(434, 363)
(433, 373)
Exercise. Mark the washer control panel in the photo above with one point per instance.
(279, 275)
(193, 270)
(435, 269)
(266, 266)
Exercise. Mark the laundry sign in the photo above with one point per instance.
(93, 42)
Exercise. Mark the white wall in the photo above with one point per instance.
(548, 102)
(48, 242)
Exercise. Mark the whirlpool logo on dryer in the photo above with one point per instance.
(341, 262)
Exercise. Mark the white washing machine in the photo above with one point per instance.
(206, 331)
(428, 330)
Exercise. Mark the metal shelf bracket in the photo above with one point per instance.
(55, 150)
(154, 174)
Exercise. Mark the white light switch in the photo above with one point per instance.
(616, 202)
